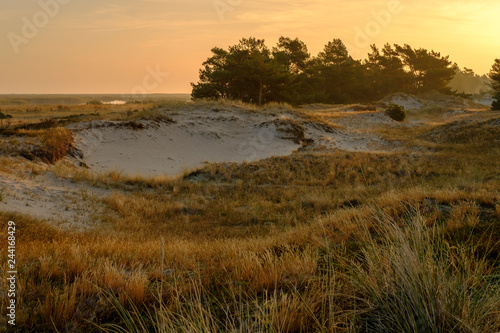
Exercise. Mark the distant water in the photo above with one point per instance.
(116, 102)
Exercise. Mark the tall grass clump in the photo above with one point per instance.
(412, 280)
(189, 311)
(56, 144)
(394, 274)
(48, 145)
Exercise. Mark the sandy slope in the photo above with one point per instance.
(199, 136)
(170, 148)
(47, 197)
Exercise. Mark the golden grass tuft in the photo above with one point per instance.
(59, 307)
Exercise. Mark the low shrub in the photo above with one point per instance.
(4, 116)
(496, 103)
(94, 102)
(396, 112)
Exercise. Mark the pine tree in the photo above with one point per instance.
(495, 77)
(338, 76)
(247, 72)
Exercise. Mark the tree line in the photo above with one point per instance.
(252, 72)
(467, 83)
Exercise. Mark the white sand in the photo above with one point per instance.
(488, 100)
(357, 133)
(171, 148)
(407, 101)
(199, 136)
(47, 197)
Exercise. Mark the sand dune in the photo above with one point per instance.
(184, 141)
(51, 198)
(171, 148)
(194, 137)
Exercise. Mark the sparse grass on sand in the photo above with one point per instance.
(321, 241)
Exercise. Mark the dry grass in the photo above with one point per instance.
(56, 144)
(46, 145)
(320, 241)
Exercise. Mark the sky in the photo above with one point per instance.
(158, 46)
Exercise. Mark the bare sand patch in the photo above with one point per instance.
(50, 198)
(172, 148)
(205, 135)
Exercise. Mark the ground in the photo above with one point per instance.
(206, 212)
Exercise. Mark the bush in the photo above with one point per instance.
(94, 102)
(396, 112)
(496, 103)
(5, 116)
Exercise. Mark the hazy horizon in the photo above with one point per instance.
(154, 46)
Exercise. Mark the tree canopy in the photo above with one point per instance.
(247, 71)
(495, 77)
(251, 72)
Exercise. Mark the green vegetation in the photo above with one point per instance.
(396, 112)
(495, 77)
(4, 116)
(94, 102)
(251, 72)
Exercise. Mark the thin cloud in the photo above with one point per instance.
(171, 30)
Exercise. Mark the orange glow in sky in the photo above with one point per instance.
(120, 46)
